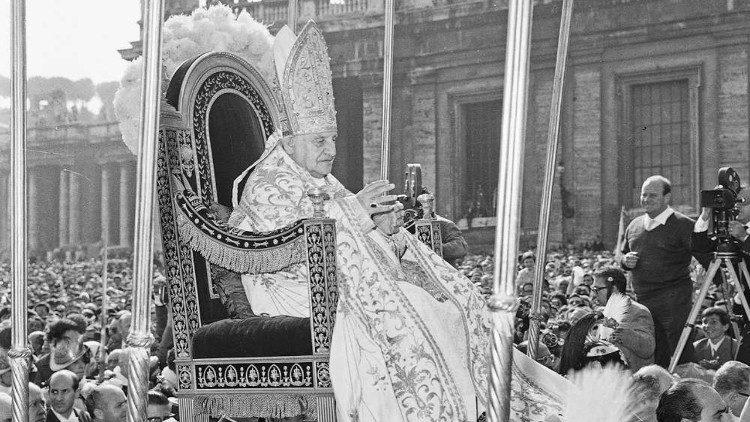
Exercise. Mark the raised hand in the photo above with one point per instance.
(373, 199)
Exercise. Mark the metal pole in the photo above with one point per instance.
(385, 142)
(503, 302)
(291, 18)
(19, 354)
(140, 339)
(549, 175)
(105, 304)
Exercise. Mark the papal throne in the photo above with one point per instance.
(230, 362)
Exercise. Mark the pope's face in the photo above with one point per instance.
(315, 152)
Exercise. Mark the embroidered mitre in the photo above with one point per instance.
(304, 73)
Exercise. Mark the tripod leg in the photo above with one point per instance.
(738, 286)
(715, 264)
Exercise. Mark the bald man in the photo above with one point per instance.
(63, 390)
(657, 250)
(107, 403)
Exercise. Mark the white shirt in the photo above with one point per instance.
(659, 220)
(61, 418)
(715, 347)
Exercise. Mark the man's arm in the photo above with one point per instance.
(454, 244)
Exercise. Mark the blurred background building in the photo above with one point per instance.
(653, 86)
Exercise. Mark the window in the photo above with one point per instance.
(482, 122)
(661, 141)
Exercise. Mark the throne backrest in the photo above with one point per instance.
(222, 111)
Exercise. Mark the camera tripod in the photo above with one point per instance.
(728, 259)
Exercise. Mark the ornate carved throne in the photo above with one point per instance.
(229, 361)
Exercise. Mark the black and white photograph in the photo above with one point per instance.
(375, 210)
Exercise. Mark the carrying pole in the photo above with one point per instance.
(513, 130)
(549, 176)
(19, 354)
(385, 142)
(291, 17)
(139, 339)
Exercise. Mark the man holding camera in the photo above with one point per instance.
(737, 230)
(658, 250)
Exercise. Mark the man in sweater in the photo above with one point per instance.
(657, 250)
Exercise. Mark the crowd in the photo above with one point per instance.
(595, 310)
(80, 368)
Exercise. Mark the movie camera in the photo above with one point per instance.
(725, 205)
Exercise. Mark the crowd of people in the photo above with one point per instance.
(79, 368)
(592, 312)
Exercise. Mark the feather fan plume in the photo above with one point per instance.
(614, 313)
(600, 395)
(184, 37)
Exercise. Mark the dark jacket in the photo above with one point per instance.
(83, 416)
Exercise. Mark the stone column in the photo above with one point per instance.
(33, 211)
(105, 204)
(64, 207)
(126, 204)
(74, 213)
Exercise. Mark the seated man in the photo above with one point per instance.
(387, 326)
(717, 348)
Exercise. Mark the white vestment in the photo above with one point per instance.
(411, 338)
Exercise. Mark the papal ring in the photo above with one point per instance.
(373, 205)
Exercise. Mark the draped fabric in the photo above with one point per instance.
(411, 339)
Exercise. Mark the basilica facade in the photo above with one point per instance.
(652, 87)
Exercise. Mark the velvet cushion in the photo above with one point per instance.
(258, 336)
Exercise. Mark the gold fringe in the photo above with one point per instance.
(243, 261)
(255, 405)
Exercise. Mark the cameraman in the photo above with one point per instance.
(704, 244)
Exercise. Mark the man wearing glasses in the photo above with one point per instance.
(635, 334)
(732, 382)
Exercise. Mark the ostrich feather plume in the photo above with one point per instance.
(183, 38)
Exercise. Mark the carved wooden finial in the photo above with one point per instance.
(428, 205)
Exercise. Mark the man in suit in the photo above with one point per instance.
(63, 390)
(717, 348)
(635, 334)
(107, 403)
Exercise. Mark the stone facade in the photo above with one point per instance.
(80, 188)
(449, 55)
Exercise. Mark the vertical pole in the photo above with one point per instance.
(385, 141)
(549, 175)
(513, 131)
(291, 17)
(140, 339)
(19, 354)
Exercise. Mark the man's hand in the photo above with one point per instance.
(220, 212)
(372, 197)
(631, 259)
(706, 213)
(737, 230)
